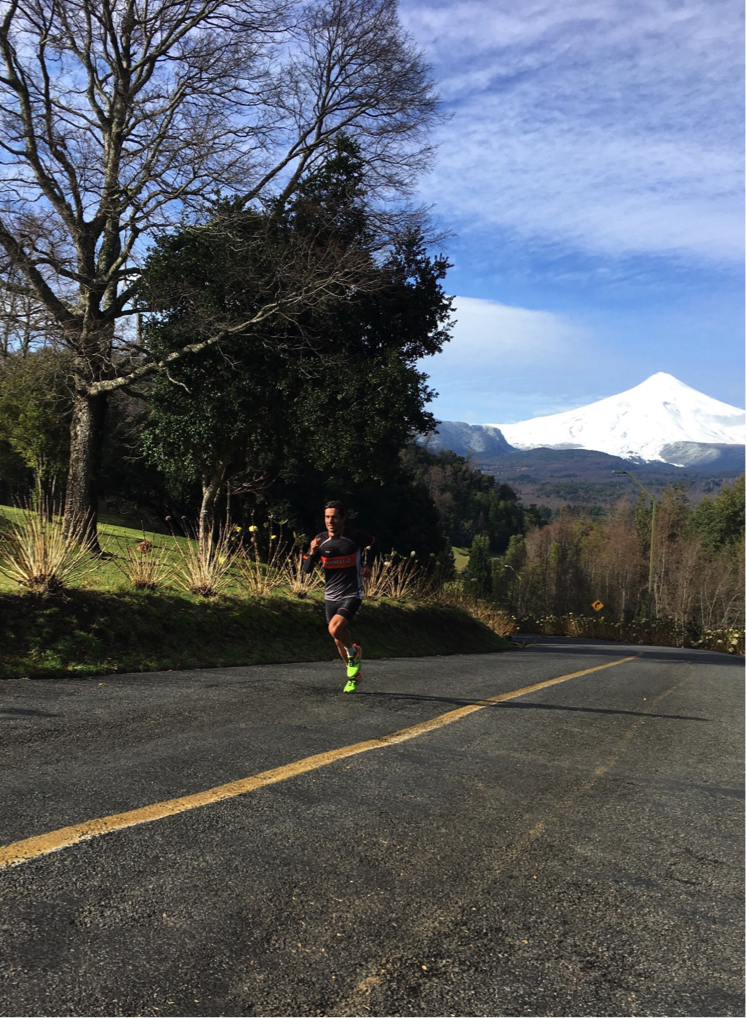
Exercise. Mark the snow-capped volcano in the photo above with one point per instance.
(637, 424)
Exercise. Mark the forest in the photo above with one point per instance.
(685, 565)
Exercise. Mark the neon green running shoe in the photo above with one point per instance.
(354, 662)
(354, 674)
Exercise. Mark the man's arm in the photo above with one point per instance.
(313, 556)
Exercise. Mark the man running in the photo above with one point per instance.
(340, 550)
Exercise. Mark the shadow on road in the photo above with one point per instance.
(455, 701)
(22, 712)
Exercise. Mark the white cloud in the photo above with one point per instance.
(496, 352)
(487, 332)
(602, 127)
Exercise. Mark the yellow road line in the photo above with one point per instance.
(442, 918)
(43, 844)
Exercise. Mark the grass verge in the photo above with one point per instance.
(91, 632)
(654, 633)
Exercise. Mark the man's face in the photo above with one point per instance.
(334, 521)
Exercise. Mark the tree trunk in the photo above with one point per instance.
(86, 444)
(211, 485)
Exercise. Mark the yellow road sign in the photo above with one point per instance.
(597, 605)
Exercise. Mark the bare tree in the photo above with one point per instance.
(24, 322)
(122, 117)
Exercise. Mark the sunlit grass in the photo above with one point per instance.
(460, 558)
(118, 543)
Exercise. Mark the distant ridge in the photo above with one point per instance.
(481, 440)
(702, 455)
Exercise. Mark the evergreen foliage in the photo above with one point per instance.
(720, 521)
(469, 502)
(479, 569)
(287, 410)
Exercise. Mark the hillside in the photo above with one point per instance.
(557, 477)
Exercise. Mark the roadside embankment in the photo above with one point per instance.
(86, 633)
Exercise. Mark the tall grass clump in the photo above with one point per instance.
(43, 550)
(145, 565)
(263, 569)
(400, 579)
(299, 583)
(203, 561)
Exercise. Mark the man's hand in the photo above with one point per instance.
(366, 571)
(314, 545)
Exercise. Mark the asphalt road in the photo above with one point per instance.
(575, 850)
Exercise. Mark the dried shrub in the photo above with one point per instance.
(42, 549)
(667, 632)
(145, 565)
(727, 641)
(260, 571)
(499, 621)
(374, 584)
(462, 594)
(398, 579)
(299, 583)
(203, 562)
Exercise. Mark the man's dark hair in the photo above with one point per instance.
(339, 506)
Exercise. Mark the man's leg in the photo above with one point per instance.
(339, 616)
(339, 628)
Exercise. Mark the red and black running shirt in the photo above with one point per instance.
(341, 558)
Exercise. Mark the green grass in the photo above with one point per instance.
(101, 625)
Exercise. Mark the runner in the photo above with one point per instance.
(340, 550)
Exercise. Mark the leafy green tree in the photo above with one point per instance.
(397, 509)
(507, 572)
(720, 521)
(506, 518)
(131, 486)
(118, 119)
(215, 421)
(35, 412)
(15, 476)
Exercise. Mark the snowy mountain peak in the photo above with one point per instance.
(663, 386)
(661, 379)
(636, 424)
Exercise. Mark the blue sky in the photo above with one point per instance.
(592, 174)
